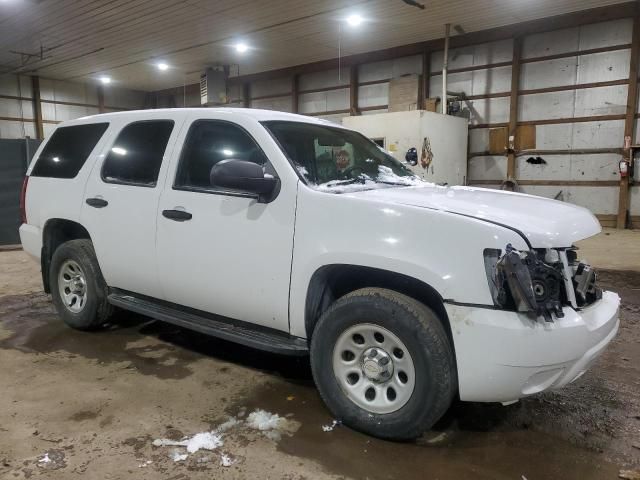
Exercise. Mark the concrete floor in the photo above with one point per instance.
(93, 403)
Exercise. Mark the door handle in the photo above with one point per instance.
(97, 202)
(177, 215)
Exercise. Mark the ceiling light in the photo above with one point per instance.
(354, 20)
(119, 151)
(162, 66)
(241, 47)
(105, 80)
(227, 152)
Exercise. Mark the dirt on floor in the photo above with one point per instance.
(107, 405)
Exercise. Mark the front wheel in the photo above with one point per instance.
(383, 363)
(78, 289)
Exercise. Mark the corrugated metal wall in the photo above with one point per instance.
(573, 89)
(59, 101)
(548, 109)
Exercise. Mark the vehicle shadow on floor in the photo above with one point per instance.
(466, 416)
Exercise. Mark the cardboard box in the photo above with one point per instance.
(431, 104)
(404, 93)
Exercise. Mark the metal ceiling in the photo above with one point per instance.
(79, 40)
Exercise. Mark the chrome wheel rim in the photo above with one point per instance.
(373, 368)
(72, 286)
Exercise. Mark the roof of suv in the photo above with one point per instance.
(258, 114)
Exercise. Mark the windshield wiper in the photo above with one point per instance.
(351, 181)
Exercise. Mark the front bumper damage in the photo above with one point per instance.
(506, 355)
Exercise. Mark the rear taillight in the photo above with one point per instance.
(23, 200)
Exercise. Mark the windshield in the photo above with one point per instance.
(338, 160)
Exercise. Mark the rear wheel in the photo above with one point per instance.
(383, 363)
(78, 289)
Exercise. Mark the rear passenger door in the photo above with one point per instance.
(121, 200)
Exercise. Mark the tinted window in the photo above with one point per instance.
(66, 151)
(208, 142)
(136, 155)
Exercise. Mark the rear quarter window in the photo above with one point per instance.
(67, 150)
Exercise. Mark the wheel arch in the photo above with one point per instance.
(331, 282)
(57, 231)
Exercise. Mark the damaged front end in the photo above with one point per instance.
(540, 281)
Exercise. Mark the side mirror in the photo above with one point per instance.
(244, 176)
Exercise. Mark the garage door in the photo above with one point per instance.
(14, 159)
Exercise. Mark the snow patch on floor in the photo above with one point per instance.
(271, 425)
(263, 420)
(200, 441)
(226, 460)
(329, 428)
(228, 425)
(176, 456)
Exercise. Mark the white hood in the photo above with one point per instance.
(546, 223)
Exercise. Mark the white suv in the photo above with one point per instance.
(298, 236)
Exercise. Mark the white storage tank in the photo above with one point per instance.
(440, 141)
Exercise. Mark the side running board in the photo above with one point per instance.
(253, 336)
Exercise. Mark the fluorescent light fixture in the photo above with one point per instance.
(105, 80)
(241, 47)
(119, 151)
(227, 152)
(354, 20)
(162, 66)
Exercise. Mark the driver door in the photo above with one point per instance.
(225, 253)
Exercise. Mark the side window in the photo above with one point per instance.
(136, 155)
(207, 143)
(67, 150)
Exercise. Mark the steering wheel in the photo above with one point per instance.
(352, 172)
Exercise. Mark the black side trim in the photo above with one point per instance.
(474, 305)
(244, 333)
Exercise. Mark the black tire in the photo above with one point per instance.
(424, 337)
(97, 310)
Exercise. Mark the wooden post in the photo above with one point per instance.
(246, 95)
(353, 91)
(424, 87)
(101, 99)
(37, 106)
(513, 109)
(629, 122)
(294, 93)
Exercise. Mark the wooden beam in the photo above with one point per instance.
(590, 118)
(295, 92)
(353, 90)
(579, 86)
(629, 121)
(101, 108)
(566, 151)
(246, 95)
(577, 53)
(473, 68)
(324, 89)
(555, 183)
(37, 107)
(513, 107)
(424, 86)
(275, 95)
